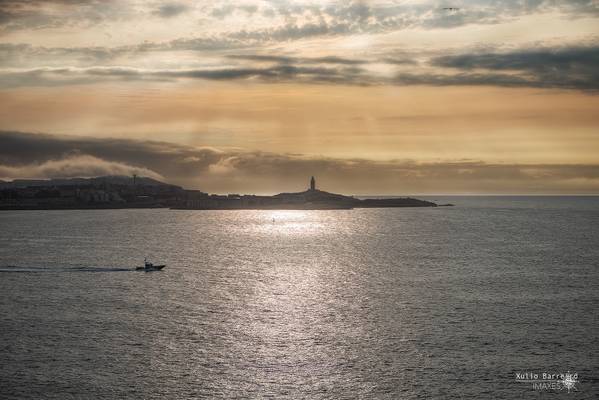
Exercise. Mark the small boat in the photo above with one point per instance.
(148, 266)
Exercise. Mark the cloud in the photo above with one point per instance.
(398, 61)
(471, 79)
(288, 20)
(227, 10)
(307, 20)
(574, 68)
(170, 10)
(27, 56)
(72, 166)
(297, 60)
(561, 67)
(562, 59)
(23, 56)
(170, 160)
(49, 14)
(29, 155)
(277, 73)
(293, 31)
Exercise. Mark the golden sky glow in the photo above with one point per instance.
(418, 123)
(504, 91)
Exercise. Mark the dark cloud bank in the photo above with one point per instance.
(565, 67)
(43, 156)
(560, 67)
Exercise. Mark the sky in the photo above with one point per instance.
(388, 97)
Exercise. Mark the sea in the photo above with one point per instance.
(496, 297)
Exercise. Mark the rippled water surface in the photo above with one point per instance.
(373, 303)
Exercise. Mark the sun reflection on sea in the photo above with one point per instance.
(292, 222)
(296, 274)
(288, 215)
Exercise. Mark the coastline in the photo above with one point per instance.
(120, 192)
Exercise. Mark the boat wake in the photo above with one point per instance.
(16, 269)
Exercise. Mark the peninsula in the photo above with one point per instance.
(138, 192)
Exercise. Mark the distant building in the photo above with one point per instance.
(312, 184)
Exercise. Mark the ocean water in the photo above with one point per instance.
(447, 303)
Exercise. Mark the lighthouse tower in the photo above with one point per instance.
(312, 184)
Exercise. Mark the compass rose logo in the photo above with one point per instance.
(569, 381)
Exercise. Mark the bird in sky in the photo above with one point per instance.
(451, 8)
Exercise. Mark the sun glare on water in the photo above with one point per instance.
(292, 222)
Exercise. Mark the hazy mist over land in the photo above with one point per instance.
(32, 156)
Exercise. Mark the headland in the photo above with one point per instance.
(126, 192)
